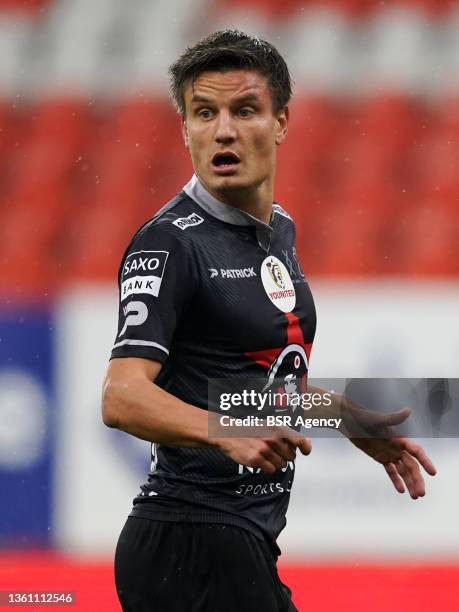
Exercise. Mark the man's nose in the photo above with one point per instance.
(225, 131)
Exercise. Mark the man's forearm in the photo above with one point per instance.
(142, 409)
(336, 406)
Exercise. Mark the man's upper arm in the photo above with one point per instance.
(132, 367)
(156, 282)
(121, 375)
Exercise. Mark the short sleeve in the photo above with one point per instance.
(156, 282)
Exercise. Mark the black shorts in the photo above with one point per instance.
(165, 566)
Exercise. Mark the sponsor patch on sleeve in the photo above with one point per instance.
(143, 273)
(136, 313)
(280, 211)
(184, 222)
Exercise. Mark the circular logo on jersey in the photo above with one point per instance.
(278, 284)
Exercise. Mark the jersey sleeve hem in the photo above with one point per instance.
(140, 348)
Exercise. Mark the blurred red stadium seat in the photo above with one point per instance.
(142, 140)
(46, 151)
(441, 177)
(306, 161)
(352, 8)
(429, 241)
(390, 120)
(270, 8)
(276, 9)
(25, 254)
(31, 6)
(450, 115)
(349, 244)
(137, 163)
(99, 241)
(36, 197)
(59, 120)
(5, 113)
(432, 8)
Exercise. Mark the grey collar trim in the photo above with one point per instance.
(197, 192)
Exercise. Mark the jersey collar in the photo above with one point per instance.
(224, 212)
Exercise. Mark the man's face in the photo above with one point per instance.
(231, 130)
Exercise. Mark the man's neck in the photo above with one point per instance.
(257, 203)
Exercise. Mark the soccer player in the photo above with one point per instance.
(210, 288)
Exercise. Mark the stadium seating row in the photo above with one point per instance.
(356, 8)
(274, 7)
(128, 46)
(373, 184)
(23, 5)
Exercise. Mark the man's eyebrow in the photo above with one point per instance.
(198, 98)
(244, 98)
(248, 98)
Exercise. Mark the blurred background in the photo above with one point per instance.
(90, 147)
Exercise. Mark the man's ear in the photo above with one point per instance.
(282, 125)
(184, 131)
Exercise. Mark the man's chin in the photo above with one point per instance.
(229, 183)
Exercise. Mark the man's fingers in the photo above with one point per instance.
(291, 440)
(393, 475)
(279, 451)
(405, 473)
(273, 457)
(305, 446)
(408, 468)
(266, 459)
(419, 453)
(297, 440)
(379, 423)
(282, 447)
(266, 466)
(395, 418)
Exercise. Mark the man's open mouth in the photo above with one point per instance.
(225, 160)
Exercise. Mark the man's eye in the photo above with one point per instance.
(205, 113)
(245, 112)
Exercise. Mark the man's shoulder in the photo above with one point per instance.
(278, 210)
(168, 231)
(284, 223)
(177, 219)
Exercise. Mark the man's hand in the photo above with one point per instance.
(401, 457)
(268, 454)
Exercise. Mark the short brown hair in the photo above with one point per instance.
(229, 50)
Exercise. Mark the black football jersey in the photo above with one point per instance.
(214, 293)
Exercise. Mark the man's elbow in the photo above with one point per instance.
(110, 413)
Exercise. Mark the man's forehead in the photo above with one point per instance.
(231, 83)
